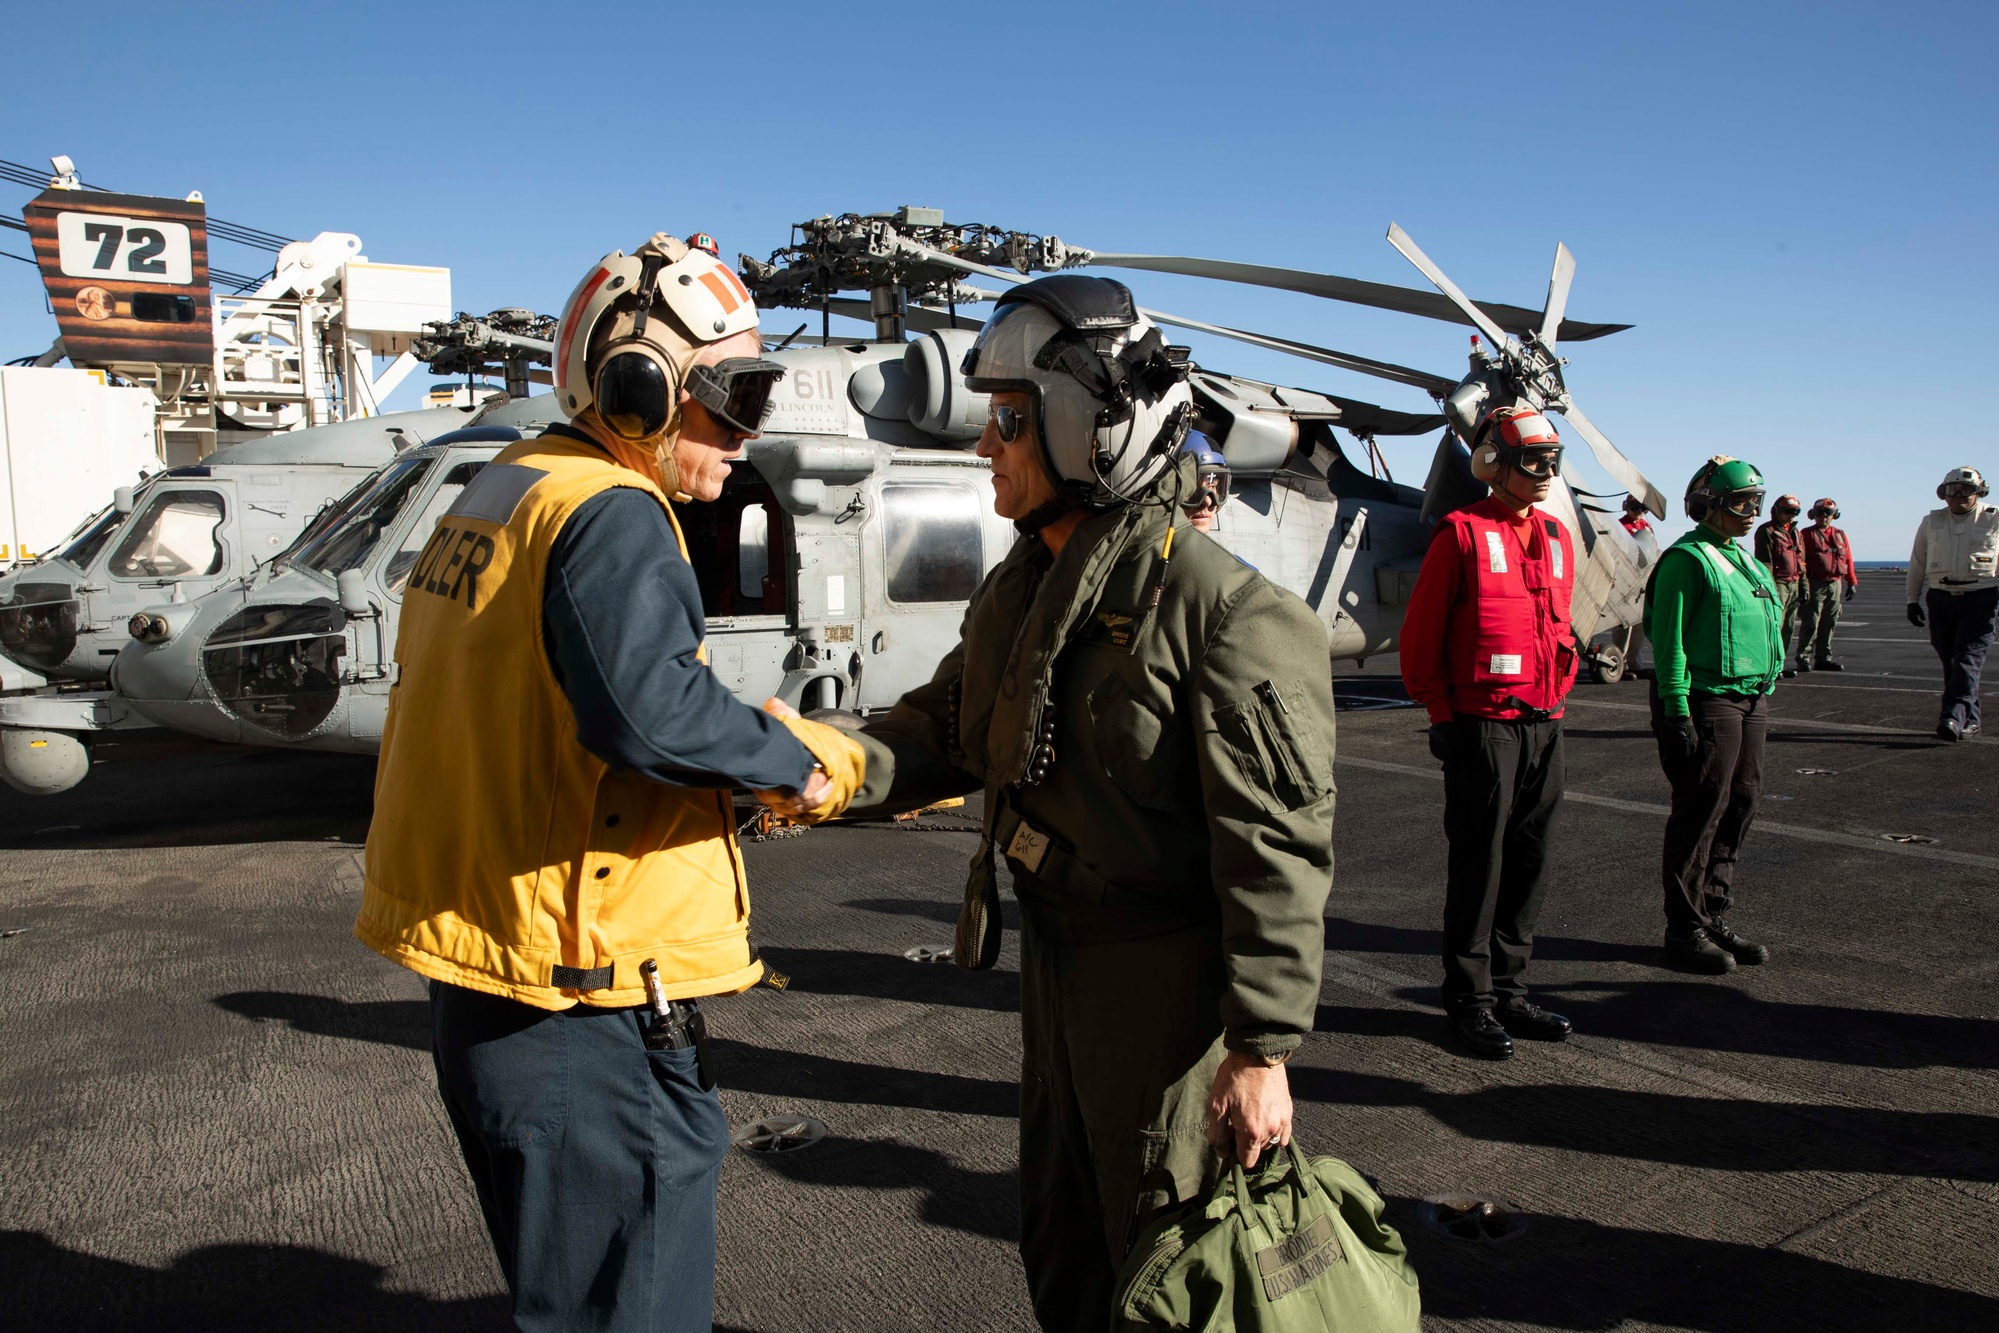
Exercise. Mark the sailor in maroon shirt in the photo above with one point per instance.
(1488, 650)
(1633, 518)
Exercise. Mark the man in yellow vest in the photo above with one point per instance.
(552, 844)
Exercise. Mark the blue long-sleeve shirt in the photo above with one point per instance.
(621, 620)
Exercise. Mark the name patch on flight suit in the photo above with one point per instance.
(1116, 630)
(1506, 664)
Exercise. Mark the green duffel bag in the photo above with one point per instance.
(1299, 1247)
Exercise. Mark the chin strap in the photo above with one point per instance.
(1039, 517)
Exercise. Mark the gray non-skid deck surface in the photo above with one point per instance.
(217, 1110)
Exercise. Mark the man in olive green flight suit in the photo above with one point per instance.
(1152, 724)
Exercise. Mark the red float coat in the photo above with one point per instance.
(1487, 631)
(1828, 559)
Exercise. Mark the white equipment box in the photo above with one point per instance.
(388, 303)
(67, 440)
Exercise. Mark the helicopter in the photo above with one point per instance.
(912, 263)
(837, 563)
(178, 535)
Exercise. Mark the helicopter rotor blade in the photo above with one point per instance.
(1434, 385)
(1621, 469)
(1558, 295)
(1428, 267)
(1380, 295)
(1368, 419)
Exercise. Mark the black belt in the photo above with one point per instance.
(579, 978)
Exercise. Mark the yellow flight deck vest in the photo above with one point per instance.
(504, 856)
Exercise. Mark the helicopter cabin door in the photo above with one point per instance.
(826, 670)
(929, 547)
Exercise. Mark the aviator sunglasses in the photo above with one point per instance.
(1007, 422)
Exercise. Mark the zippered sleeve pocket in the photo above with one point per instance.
(1275, 747)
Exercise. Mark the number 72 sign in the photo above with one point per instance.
(103, 245)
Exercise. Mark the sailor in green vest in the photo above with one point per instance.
(1714, 616)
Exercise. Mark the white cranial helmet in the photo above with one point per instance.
(1111, 399)
(634, 325)
(1963, 476)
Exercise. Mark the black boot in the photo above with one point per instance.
(1522, 1019)
(1827, 664)
(1482, 1035)
(1804, 666)
(1744, 951)
(1693, 949)
(1947, 730)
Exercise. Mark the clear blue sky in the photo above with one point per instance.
(1794, 203)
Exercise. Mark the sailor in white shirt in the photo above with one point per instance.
(1954, 587)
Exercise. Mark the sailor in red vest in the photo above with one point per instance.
(1830, 580)
(1488, 650)
(1780, 546)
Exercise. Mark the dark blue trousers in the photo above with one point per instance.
(1961, 631)
(595, 1159)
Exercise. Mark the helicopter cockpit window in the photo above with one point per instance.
(397, 574)
(932, 531)
(330, 516)
(177, 535)
(92, 538)
(373, 517)
(753, 553)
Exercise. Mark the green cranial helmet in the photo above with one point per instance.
(1720, 478)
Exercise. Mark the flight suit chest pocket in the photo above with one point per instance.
(1140, 747)
(1276, 748)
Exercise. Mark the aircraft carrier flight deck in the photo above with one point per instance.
(219, 1110)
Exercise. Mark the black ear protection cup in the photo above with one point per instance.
(635, 393)
(636, 388)
(1701, 500)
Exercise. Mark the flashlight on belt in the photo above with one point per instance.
(676, 1024)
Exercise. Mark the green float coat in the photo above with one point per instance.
(1710, 630)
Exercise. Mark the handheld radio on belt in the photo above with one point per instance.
(676, 1024)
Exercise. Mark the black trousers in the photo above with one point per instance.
(1502, 785)
(1715, 793)
(1961, 626)
(595, 1160)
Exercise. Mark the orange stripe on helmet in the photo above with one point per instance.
(583, 295)
(729, 293)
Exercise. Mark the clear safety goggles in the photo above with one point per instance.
(736, 391)
(1743, 504)
(1959, 490)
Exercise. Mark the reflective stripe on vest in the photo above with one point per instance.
(503, 855)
